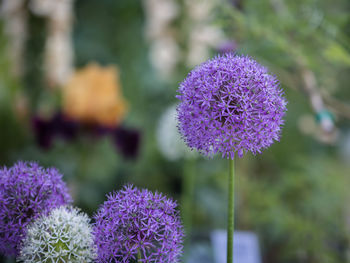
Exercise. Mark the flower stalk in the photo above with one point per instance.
(231, 211)
(139, 257)
(230, 105)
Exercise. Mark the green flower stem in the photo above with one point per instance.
(231, 211)
(139, 256)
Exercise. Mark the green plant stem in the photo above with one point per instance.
(139, 257)
(231, 211)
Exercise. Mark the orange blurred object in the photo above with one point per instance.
(93, 95)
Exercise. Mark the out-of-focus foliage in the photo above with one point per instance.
(10, 125)
(304, 205)
(286, 35)
(294, 195)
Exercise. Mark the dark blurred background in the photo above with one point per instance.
(294, 196)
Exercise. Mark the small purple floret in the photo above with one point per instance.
(230, 105)
(136, 221)
(26, 191)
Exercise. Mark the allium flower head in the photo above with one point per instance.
(26, 191)
(64, 235)
(136, 221)
(230, 104)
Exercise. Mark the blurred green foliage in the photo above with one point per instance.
(294, 195)
(286, 34)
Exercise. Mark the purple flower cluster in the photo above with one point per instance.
(26, 191)
(230, 104)
(138, 225)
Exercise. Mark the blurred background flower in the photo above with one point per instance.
(161, 34)
(58, 61)
(93, 104)
(169, 139)
(93, 95)
(204, 35)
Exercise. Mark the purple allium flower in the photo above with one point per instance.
(133, 222)
(230, 104)
(26, 191)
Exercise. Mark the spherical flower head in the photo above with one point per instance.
(64, 235)
(169, 139)
(230, 104)
(133, 222)
(26, 191)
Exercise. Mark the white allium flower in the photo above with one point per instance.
(169, 139)
(65, 235)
